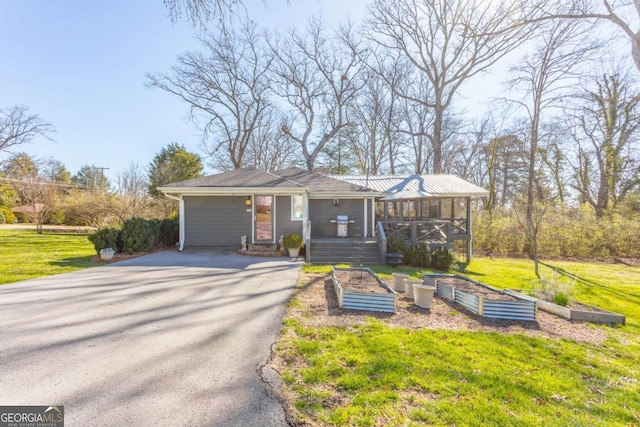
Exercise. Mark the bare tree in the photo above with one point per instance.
(226, 90)
(543, 76)
(623, 14)
(200, 12)
(315, 76)
(38, 195)
(448, 42)
(375, 117)
(132, 189)
(270, 149)
(18, 127)
(606, 131)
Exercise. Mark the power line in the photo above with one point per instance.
(53, 183)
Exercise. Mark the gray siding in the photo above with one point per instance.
(322, 211)
(216, 221)
(284, 225)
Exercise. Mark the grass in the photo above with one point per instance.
(379, 375)
(27, 255)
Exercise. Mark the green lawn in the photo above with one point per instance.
(381, 375)
(27, 255)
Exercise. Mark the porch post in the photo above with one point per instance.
(373, 217)
(469, 232)
(364, 228)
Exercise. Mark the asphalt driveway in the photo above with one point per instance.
(165, 339)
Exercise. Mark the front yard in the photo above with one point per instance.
(445, 367)
(27, 255)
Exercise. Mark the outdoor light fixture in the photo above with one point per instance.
(336, 202)
(247, 202)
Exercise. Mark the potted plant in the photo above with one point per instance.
(293, 243)
(107, 253)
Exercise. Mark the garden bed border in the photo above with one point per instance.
(353, 300)
(524, 308)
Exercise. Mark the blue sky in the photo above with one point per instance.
(81, 65)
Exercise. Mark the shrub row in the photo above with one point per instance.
(136, 235)
(420, 255)
(565, 232)
(7, 217)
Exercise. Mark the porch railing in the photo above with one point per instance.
(306, 237)
(432, 232)
(382, 241)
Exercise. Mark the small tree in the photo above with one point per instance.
(172, 164)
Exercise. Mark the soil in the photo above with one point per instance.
(318, 307)
(475, 289)
(574, 305)
(359, 281)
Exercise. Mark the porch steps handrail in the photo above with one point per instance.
(382, 241)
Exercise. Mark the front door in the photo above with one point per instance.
(264, 219)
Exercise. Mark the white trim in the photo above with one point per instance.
(294, 218)
(254, 219)
(231, 191)
(373, 217)
(274, 219)
(181, 221)
(365, 226)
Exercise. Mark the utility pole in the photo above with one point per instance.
(102, 178)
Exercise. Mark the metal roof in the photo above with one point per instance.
(436, 185)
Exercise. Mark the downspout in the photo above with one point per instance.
(180, 219)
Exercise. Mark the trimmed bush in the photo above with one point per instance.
(169, 231)
(418, 256)
(441, 259)
(106, 237)
(397, 245)
(137, 235)
(56, 218)
(155, 225)
(7, 216)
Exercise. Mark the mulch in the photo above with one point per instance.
(318, 307)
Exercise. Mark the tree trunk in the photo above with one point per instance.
(437, 138)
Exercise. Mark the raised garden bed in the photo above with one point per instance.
(574, 310)
(362, 289)
(482, 299)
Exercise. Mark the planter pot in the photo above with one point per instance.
(398, 281)
(293, 252)
(106, 255)
(394, 259)
(423, 295)
(408, 284)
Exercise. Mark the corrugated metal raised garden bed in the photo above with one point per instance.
(574, 310)
(362, 289)
(482, 299)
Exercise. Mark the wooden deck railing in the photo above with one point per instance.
(433, 232)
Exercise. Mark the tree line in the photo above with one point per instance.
(50, 194)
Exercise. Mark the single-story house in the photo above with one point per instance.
(339, 216)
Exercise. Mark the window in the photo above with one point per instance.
(445, 210)
(460, 208)
(297, 209)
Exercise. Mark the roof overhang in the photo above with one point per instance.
(230, 191)
(441, 196)
(344, 195)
